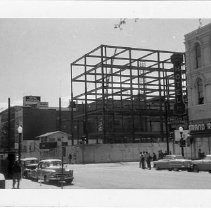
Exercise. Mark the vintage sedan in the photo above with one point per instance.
(50, 170)
(173, 162)
(202, 165)
(2, 181)
(28, 165)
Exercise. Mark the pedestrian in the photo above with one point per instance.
(154, 157)
(145, 159)
(140, 156)
(142, 160)
(16, 174)
(70, 158)
(148, 160)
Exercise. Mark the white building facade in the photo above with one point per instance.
(198, 62)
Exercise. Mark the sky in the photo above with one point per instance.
(36, 53)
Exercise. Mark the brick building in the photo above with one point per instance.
(198, 61)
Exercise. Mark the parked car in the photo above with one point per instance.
(28, 165)
(173, 162)
(51, 170)
(202, 165)
(2, 181)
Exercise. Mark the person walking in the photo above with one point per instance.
(145, 159)
(154, 157)
(142, 161)
(70, 158)
(16, 174)
(149, 159)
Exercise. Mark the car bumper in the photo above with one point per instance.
(60, 178)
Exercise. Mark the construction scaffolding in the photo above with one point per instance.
(122, 94)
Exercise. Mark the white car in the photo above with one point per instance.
(51, 170)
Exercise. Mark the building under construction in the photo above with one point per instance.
(122, 94)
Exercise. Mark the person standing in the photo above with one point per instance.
(142, 161)
(70, 158)
(140, 156)
(145, 159)
(16, 174)
(154, 157)
(149, 158)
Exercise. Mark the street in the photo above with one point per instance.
(125, 175)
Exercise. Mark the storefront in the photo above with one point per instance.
(201, 137)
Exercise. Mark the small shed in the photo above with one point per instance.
(54, 144)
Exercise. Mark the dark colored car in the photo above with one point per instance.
(202, 165)
(173, 162)
(2, 181)
(28, 165)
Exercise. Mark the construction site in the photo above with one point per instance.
(124, 95)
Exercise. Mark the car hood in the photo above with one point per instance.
(196, 161)
(57, 169)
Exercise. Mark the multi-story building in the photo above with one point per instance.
(35, 119)
(198, 61)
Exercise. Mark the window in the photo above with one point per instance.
(198, 55)
(200, 93)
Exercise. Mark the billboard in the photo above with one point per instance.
(29, 100)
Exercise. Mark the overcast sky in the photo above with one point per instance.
(36, 54)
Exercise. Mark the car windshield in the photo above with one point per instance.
(52, 163)
(179, 157)
(172, 157)
(28, 162)
(168, 157)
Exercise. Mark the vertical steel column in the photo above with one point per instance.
(160, 94)
(71, 107)
(166, 107)
(139, 92)
(60, 118)
(131, 96)
(120, 80)
(103, 96)
(9, 127)
(113, 105)
(96, 107)
(86, 104)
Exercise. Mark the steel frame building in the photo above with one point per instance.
(124, 91)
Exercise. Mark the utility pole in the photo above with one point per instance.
(60, 129)
(8, 127)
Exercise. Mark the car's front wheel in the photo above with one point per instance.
(157, 167)
(46, 180)
(69, 181)
(196, 168)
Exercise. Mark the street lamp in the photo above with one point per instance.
(181, 140)
(20, 131)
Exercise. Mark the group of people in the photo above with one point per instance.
(146, 159)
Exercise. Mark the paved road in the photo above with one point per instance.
(125, 176)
